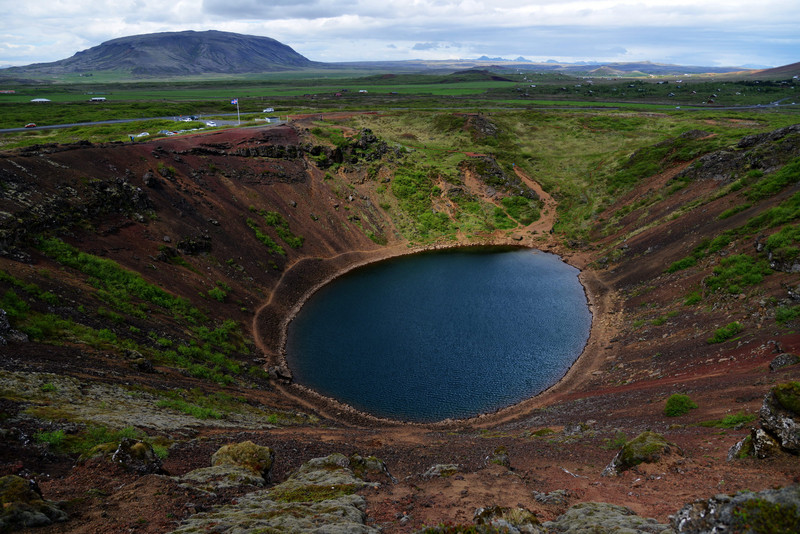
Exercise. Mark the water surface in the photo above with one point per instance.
(441, 335)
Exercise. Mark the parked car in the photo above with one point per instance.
(30, 125)
(268, 110)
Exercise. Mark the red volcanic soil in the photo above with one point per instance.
(645, 345)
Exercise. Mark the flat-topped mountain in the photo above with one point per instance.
(181, 53)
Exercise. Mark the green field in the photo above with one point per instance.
(555, 126)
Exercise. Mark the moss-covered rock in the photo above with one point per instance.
(765, 511)
(248, 455)
(788, 396)
(441, 470)
(508, 519)
(780, 415)
(219, 477)
(137, 456)
(500, 457)
(369, 468)
(22, 506)
(318, 497)
(647, 447)
(603, 517)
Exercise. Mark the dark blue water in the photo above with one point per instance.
(441, 335)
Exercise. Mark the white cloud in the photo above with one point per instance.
(713, 32)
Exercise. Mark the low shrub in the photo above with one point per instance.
(678, 404)
(725, 333)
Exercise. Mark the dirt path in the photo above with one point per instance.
(548, 213)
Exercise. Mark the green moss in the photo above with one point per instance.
(450, 528)
(747, 449)
(765, 517)
(311, 492)
(617, 442)
(773, 183)
(788, 395)
(644, 448)
(693, 298)
(246, 454)
(198, 412)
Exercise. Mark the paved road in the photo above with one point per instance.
(120, 121)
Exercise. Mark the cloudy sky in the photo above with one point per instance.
(687, 32)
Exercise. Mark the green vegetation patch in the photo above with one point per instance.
(332, 134)
(725, 333)
(785, 314)
(116, 284)
(678, 404)
(651, 160)
(415, 191)
(732, 420)
(775, 182)
(737, 272)
(97, 438)
(266, 239)
(766, 517)
(617, 442)
(783, 244)
(281, 226)
(703, 249)
(523, 210)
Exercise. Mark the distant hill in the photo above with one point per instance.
(785, 71)
(642, 68)
(196, 53)
(178, 53)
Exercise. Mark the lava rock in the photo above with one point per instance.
(765, 511)
(441, 470)
(137, 456)
(647, 447)
(318, 497)
(22, 505)
(779, 415)
(783, 360)
(603, 517)
(511, 520)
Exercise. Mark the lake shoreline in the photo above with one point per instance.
(304, 278)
